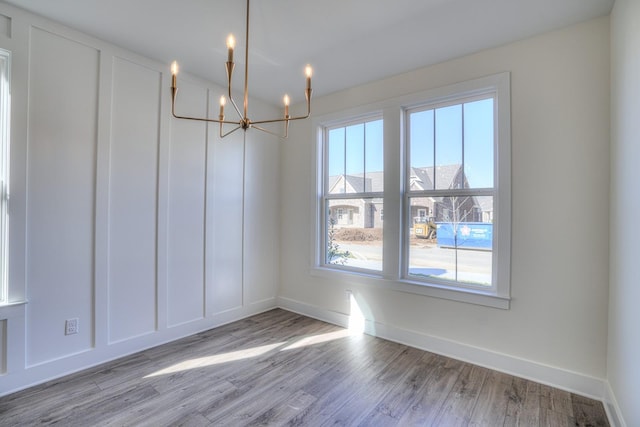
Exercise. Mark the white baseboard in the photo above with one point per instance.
(611, 406)
(567, 380)
(22, 377)
(557, 377)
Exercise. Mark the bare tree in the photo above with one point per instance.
(455, 213)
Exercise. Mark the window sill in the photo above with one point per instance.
(12, 309)
(469, 296)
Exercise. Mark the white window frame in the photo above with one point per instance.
(396, 213)
(449, 192)
(5, 121)
(323, 184)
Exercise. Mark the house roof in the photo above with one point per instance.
(445, 177)
(421, 179)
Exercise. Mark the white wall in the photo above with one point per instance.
(556, 328)
(623, 371)
(144, 227)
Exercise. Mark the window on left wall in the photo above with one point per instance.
(5, 105)
(352, 193)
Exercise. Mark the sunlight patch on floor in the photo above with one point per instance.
(217, 359)
(317, 339)
(356, 327)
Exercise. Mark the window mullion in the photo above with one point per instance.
(454, 192)
(393, 217)
(344, 169)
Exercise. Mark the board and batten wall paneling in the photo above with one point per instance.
(3, 346)
(186, 216)
(122, 217)
(61, 165)
(225, 218)
(262, 236)
(133, 177)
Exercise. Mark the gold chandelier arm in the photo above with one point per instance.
(287, 119)
(262, 122)
(222, 135)
(282, 136)
(174, 93)
(230, 65)
(235, 106)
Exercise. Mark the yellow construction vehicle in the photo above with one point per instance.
(424, 227)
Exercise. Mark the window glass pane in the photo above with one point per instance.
(451, 238)
(335, 160)
(448, 147)
(478, 143)
(421, 150)
(354, 233)
(355, 156)
(374, 155)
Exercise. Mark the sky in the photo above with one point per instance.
(469, 125)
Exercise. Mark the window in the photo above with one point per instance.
(4, 166)
(352, 195)
(447, 195)
(451, 173)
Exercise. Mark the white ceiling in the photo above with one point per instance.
(348, 42)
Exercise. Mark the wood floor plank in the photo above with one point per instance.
(368, 389)
(352, 378)
(524, 404)
(459, 403)
(281, 368)
(98, 409)
(434, 392)
(556, 400)
(249, 406)
(403, 392)
(172, 408)
(29, 406)
(588, 412)
(285, 411)
(493, 400)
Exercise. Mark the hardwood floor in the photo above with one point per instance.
(280, 368)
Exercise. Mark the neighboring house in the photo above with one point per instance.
(356, 213)
(446, 209)
(369, 213)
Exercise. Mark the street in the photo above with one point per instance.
(427, 259)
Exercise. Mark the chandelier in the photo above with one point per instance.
(243, 122)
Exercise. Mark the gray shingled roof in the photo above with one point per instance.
(355, 184)
(421, 179)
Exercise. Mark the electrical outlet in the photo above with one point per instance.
(71, 326)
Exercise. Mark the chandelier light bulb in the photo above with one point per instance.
(223, 101)
(286, 106)
(174, 75)
(231, 44)
(308, 71)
